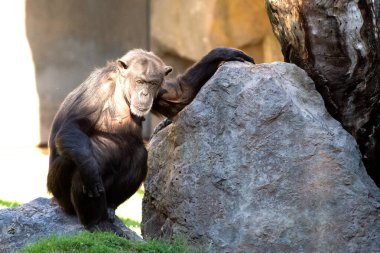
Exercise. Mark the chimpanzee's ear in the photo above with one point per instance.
(122, 64)
(168, 69)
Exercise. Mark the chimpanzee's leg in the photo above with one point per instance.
(127, 181)
(122, 188)
(90, 210)
(59, 182)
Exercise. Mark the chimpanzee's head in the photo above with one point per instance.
(141, 75)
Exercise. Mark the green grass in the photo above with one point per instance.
(105, 242)
(7, 204)
(131, 223)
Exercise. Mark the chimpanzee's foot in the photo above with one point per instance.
(106, 226)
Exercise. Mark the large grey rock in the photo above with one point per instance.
(38, 219)
(256, 164)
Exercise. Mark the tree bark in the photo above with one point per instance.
(337, 43)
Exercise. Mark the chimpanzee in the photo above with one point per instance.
(97, 154)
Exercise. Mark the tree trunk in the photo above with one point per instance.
(337, 43)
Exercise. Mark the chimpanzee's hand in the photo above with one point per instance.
(93, 185)
(92, 182)
(229, 54)
(94, 189)
(161, 126)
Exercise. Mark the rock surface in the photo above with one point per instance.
(36, 220)
(256, 164)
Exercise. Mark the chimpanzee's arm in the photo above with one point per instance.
(73, 144)
(174, 96)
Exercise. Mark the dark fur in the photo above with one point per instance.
(97, 154)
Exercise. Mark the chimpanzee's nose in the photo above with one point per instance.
(143, 93)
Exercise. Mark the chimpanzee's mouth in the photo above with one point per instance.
(143, 108)
(140, 110)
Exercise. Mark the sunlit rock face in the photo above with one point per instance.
(256, 164)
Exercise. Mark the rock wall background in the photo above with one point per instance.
(183, 31)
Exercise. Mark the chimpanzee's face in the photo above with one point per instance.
(143, 77)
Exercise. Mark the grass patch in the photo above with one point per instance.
(7, 204)
(105, 242)
(131, 223)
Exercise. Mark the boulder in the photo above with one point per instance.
(39, 219)
(256, 164)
